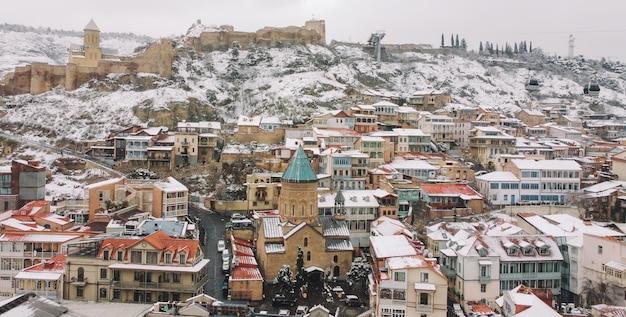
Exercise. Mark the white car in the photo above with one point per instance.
(225, 266)
(221, 245)
(237, 216)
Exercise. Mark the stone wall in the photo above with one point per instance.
(41, 77)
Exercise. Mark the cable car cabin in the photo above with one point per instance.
(591, 89)
(532, 84)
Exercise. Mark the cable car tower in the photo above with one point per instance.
(374, 40)
(532, 84)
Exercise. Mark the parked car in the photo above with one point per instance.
(481, 172)
(221, 245)
(225, 255)
(353, 300)
(237, 216)
(302, 310)
(282, 300)
(225, 266)
(284, 312)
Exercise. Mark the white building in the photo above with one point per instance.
(549, 181)
(360, 209)
(500, 188)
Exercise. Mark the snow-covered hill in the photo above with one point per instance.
(293, 81)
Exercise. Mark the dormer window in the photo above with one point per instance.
(511, 251)
(168, 257)
(105, 254)
(120, 255)
(482, 252)
(528, 251)
(182, 258)
(544, 251)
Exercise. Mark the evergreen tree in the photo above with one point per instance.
(480, 47)
(442, 42)
(357, 276)
(464, 44)
(456, 41)
(283, 280)
(531, 47)
(451, 39)
(515, 48)
(497, 50)
(491, 48)
(300, 273)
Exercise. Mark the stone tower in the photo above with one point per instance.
(319, 26)
(298, 195)
(91, 44)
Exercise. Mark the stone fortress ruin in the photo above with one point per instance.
(90, 61)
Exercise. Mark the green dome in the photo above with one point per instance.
(299, 169)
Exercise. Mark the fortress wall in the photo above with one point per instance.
(70, 76)
(156, 59)
(44, 77)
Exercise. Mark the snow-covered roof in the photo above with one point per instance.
(498, 177)
(170, 185)
(547, 165)
(171, 268)
(391, 246)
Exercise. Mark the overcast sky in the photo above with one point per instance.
(599, 26)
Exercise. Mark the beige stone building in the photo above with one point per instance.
(136, 269)
(325, 240)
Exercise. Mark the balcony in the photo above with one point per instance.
(424, 308)
(174, 287)
(534, 275)
(78, 282)
(484, 279)
(50, 294)
(449, 272)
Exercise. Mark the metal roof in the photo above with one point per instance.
(339, 245)
(299, 169)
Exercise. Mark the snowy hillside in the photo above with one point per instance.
(292, 81)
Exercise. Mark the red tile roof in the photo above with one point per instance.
(453, 190)
(159, 240)
(55, 264)
(246, 273)
(239, 249)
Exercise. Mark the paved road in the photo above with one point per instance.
(213, 224)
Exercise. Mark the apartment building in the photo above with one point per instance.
(548, 181)
(347, 169)
(440, 128)
(405, 283)
(482, 267)
(360, 208)
(486, 143)
(500, 188)
(135, 269)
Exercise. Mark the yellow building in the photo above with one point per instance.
(486, 143)
(325, 240)
(132, 269)
(405, 283)
(90, 53)
(162, 198)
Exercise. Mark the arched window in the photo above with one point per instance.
(335, 259)
(308, 255)
(306, 242)
(81, 274)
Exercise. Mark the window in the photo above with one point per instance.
(105, 255)
(103, 273)
(484, 271)
(424, 277)
(135, 257)
(80, 291)
(117, 293)
(138, 276)
(483, 288)
(116, 275)
(306, 242)
(183, 258)
(495, 185)
(168, 257)
(599, 249)
(335, 259)
(166, 277)
(103, 292)
(176, 277)
(152, 257)
(424, 299)
(399, 276)
(120, 255)
(308, 255)
(81, 274)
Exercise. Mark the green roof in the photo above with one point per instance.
(299, 169)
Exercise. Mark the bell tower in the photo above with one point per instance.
(91, 44)
(298, 194)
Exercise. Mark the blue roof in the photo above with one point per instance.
(299, 169)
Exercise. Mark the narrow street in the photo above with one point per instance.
(213, 224)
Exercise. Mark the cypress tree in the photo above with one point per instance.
(442, 43)
(480, 47)
(451, 39)
(456, 41)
